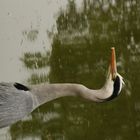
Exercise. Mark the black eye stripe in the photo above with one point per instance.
(116, 89)
(21, 87)
(116, 85)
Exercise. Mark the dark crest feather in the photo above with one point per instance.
(21, 87)
(116, 89)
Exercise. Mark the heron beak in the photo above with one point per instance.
(113, 66)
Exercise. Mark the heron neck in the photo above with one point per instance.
(48, 92)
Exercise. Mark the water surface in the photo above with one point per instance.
(70, 41)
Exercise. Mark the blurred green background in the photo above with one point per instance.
(80, 53)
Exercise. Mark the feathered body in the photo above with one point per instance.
(14, 105)
(17, 100)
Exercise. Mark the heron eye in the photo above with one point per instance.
(113, 79)
(21, 87)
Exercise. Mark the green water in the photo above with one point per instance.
(80, 53)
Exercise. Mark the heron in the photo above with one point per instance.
(18, 100)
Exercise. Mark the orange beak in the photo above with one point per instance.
(113, 64)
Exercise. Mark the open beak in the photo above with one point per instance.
(113, 66)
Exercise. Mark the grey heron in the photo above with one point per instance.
(17, 100)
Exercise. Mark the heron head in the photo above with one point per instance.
(115, 76)
(115, 80)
